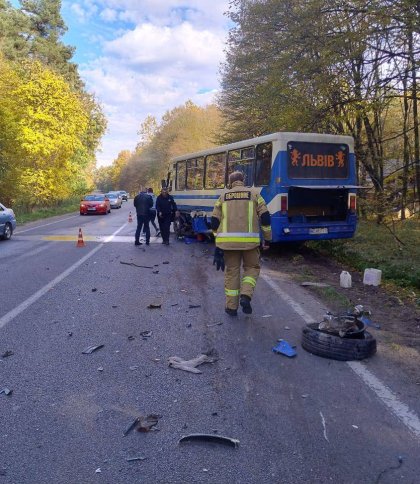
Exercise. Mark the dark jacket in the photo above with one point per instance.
(143, 203)
(165, 205)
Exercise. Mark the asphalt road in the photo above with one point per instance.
(299, 420)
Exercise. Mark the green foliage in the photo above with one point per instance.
(184, 129)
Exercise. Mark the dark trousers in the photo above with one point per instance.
(152, 217)
(165, 225)
(142, 220)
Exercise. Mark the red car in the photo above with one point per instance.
(95, 203)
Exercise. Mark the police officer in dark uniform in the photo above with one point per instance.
(165, 208)
(143, 204)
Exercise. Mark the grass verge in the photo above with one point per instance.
(65, 207)
(374, 246)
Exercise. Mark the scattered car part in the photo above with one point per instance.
(190, 365)
(7, 353)
(135, 265)
(154, 306)
(134, 459)
(6, 391)
(193, 306)
(332, 346)
(146, 334)
(216, 439)
(284, 348)
(91, 349)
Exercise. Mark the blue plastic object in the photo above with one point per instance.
(284, 348)
(190, 240)
(369, 322)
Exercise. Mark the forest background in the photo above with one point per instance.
(343, 67)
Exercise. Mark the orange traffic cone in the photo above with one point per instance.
(80, 241)
(130, 218)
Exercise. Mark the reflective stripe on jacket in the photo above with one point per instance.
(239, 210)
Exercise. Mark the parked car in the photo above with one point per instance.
(124, 195)
(114, 199)
(7, 222)
(95, 203)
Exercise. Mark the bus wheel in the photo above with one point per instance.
(336, 348)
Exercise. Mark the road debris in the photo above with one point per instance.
(135, 265)
(154, 306)
(146, 334)
(286, 327)
(134, 367)
(98, 470)
(165, 262)
(216, 439)
(143, 424)
(266, 316)
(324, 426)
(305, 395)
(131, 338)
(214, 324)
(6, 391)
(100, 368)
(94, 289)
(172, 305)
(314, 284)
(190, 365)
(284, 348)
(193, 306)
(155, 272)
(7, 353)
(69, 334)
(91, 349)
(134, 459)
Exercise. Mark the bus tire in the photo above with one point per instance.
(336, 348)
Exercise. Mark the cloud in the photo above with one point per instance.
(154, 56)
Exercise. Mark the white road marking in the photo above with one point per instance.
(325, 428)
(32, 299)
(45, 225)
(409, 418)
(398, 408)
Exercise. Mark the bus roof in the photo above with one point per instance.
(279, 136)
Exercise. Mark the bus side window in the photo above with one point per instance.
(215, 171)
(263, 164)
(181, 171)
(195, 173)
(242, 160)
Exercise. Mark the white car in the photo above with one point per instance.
(114, 199)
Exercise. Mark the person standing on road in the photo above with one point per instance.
(236, 220)
(152, 211)
(143, 204)
(166, 208)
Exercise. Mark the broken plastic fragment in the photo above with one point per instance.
(165, 262)
(284, 348)
(154, 306)
(7, 353)
(217, 439)
(133, 459)
(193, 306)
(266, 316)
(146, 334)
(91, 349)
(190, 365)
(6, 391)
(135, 265)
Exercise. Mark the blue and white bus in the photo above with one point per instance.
(308, 181)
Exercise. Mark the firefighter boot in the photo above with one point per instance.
(231, 312)
(245, 302)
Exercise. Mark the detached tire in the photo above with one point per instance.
(336, 348)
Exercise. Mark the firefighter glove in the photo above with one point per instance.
(219, 259)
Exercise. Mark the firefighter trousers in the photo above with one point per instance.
(234, 286)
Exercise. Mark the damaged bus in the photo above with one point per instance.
(308, 181)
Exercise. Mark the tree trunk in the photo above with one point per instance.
(415, 113)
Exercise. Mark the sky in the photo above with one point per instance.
(145, 57)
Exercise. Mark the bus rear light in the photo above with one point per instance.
(352, 203)
(283, 203)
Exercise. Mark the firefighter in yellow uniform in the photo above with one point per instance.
(236, 220)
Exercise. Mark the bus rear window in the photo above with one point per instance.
(195, 173)
(180, 175)
(317, 160)
(242, 160)
(263, 164)
(215, 171)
